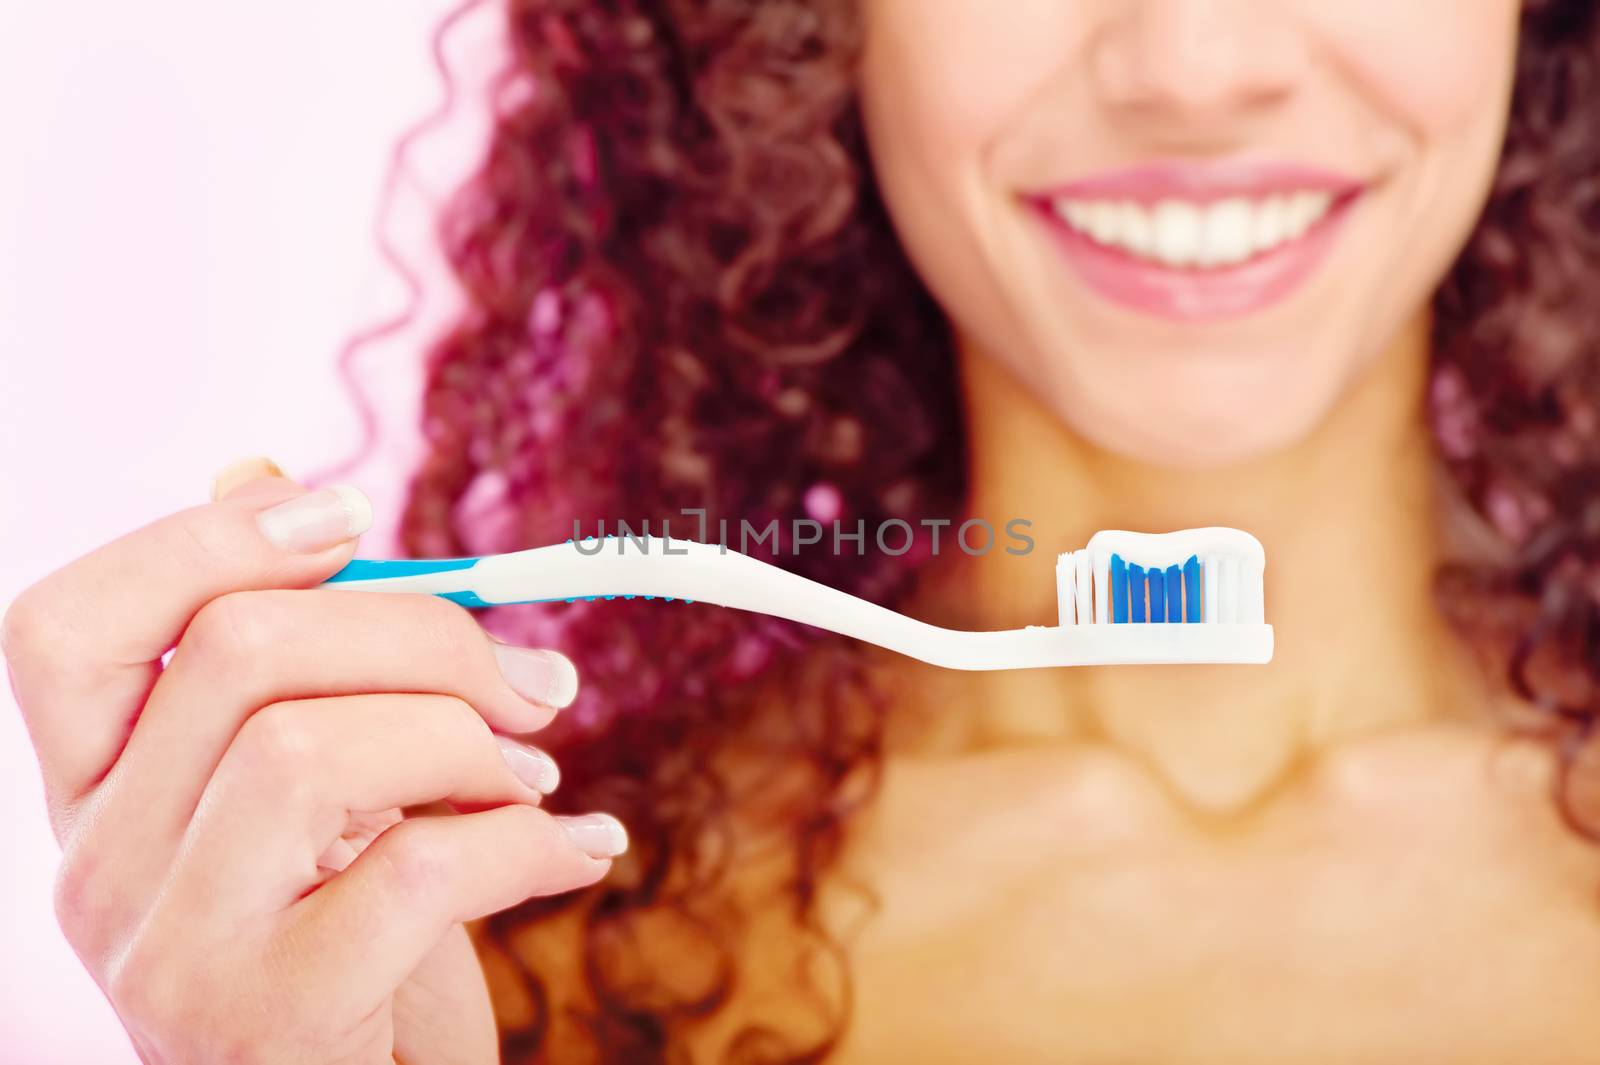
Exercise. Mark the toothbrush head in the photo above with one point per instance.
(1196, 576)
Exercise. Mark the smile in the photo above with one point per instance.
(1190, 242)
(1178, 233)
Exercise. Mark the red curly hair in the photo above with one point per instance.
(683, 292)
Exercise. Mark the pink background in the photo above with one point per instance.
(186, 236)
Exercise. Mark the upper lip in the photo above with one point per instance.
(1203, 182)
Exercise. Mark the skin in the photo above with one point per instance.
(966, 111)
(1338, 857)
(236, 872)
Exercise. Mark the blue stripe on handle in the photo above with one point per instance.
(362, 569)
(470, 600)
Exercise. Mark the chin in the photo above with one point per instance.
(1200, 411)
(1177, 432)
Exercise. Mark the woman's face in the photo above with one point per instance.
(1189, 225)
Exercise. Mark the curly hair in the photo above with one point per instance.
(682, 291)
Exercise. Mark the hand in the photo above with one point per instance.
(236, 872)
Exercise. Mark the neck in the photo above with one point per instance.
(1348, 518)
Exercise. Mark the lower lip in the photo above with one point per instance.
(1192, 295)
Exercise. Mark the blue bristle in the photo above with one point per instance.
(1135, 593)
(1158, 594)
(1191, 589)
(629, 597)
(1119, 589)
(1174, 594)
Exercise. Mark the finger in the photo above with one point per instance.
(356, 938)
(84, 643)
(242, 472)
(246, 650)
(450, 999)
(296, 771)
(361, 830)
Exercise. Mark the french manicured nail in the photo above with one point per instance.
(543, 676)
(317, 520)
(532, 766)
(597, 835)
(243, 472)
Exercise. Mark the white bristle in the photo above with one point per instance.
(1083, 583)
(1229, 591)
(1066, 592)
(1210, 582)
(1101, 561)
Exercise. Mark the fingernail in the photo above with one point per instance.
(538, 674)
(532, 766)
(597, 835)
(242, 472)
(317, 520)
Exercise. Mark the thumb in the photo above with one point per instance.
(237, 475)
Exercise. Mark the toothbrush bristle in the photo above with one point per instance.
(1211, 577)
(1156, 581)
(1198, 576)
(1191, 589)
(1083, 581)
(1119, 590)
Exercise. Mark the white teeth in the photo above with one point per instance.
(1304, 209)
(1183, 233)
(1178, 231)
(1103, 222)
(1269, 224)
(1227, 233)
(1074, 213)
(1136, 229)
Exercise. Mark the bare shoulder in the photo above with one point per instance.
(1476, 794)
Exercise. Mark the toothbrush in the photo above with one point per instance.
(1127, 598)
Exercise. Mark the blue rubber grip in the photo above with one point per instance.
(361, 569)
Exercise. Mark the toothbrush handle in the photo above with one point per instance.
(667, 569)
(625, 567)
